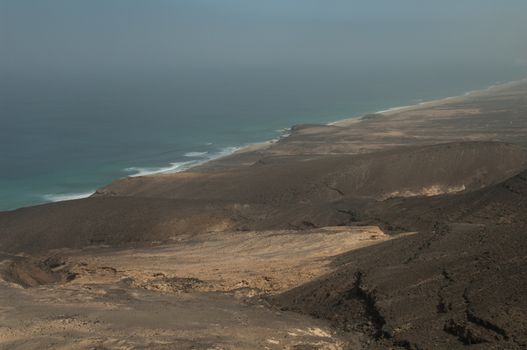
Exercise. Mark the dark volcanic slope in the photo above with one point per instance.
(460, 282)
(272, 194)
(407, 171)
(301, 181)
(96, 221)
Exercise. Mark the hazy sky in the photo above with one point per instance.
(71, 38)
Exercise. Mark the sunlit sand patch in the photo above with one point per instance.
(430, 191)
(442, 112)
(389, 133)
(317, 332)
(181, 175)
(228, 261)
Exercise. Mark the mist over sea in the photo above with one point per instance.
(126, 92)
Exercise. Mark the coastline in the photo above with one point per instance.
(203, 158)
(439, 195)
(436, 102)
(386, 112)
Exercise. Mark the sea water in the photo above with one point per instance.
(63, 139)
(94, 91)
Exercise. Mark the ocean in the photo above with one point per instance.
(64, 139)
(95, 91)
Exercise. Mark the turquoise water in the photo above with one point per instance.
(68, 138)
(96, 90)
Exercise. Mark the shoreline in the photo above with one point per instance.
(435, 102)
(386, 112)
(182, 166)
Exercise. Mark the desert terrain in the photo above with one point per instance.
(405, 229)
